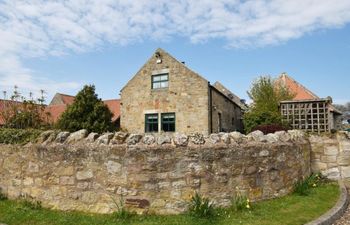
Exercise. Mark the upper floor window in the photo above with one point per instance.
(160, 81)
(168, 122)
(151, 123)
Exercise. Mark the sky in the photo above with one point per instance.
(59, 46)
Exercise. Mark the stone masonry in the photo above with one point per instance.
(152, 173)
(331, 154)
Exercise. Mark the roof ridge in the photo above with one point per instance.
(284, 76)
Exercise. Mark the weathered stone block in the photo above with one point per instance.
(67, 180)
(77, 136)
(62, 136)
(180, 139)
(345, 171)
(149, 139)
(105, 138)
(134, 139)
(113, 167)
(331, 150)
(84, 175)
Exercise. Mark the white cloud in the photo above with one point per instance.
(40, 28)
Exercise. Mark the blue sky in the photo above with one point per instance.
(60, 47)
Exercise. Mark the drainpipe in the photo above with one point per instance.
(210, 104)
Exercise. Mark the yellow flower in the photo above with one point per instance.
(248, 206)
(248, 200)
(314, 185)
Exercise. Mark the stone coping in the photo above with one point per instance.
(337, 211)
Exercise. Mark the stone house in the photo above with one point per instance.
(166, 96)
(306, 111)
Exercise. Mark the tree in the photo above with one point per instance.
(87, 112)
(266, 94)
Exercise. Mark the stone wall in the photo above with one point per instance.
(231, 114)
(156, 174)
(331, 154)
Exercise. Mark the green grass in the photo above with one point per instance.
(290, 210)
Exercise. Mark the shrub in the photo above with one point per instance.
(303, 187)
(30, 204)
(201, 207)
(122, 213)
(270, 128)
(87, 112)
(18, 136)
(240, 202)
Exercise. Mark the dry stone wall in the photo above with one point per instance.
(155, 174)
(331, 155)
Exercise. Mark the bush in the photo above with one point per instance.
(270, 128)
(87, 112)
(18, 136)
(303, 187)
(201, 207)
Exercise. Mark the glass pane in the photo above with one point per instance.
(156, 85)
(164, 77)
(164, 84)
(156, 78)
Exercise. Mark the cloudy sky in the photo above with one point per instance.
(59, 46)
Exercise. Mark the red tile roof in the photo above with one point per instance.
(301, 92)
(57, 110)
(114, 106)
(67, 99)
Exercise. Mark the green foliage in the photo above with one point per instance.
(122, 213)
(26, 204)
(22, 114)
(303, 187)
(201, 207)
(87, 112)
(240, 202)
(266, 94)
(18, 136)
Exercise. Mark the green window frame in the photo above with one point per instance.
(160, 81)
(151, 123)
(168, 122)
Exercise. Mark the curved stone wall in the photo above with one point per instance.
(156, 174)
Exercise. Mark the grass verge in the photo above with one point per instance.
(289, 210)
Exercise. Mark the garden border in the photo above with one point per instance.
(337, 211)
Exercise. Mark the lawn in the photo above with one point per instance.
(289, 210)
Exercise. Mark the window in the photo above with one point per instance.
(151, 123)
(160, 81)
(168, 122)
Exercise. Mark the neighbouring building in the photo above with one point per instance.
(60, 102)
(307, 111)
(166, 96)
